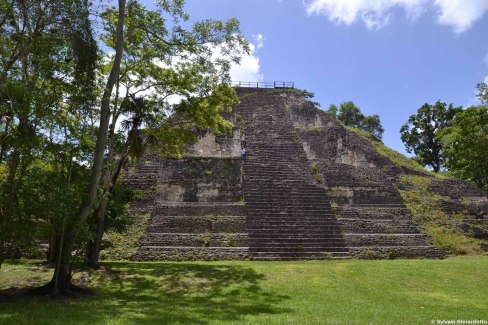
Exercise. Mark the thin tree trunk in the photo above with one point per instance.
(94, 246)
(62, 273)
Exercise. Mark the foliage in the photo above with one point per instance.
(419, 133)
(482, 92)
(425, 209)
(465, 143)
(253, 292)
(332, 110)
(47, 68)
(308, 95)
(350, 115)
(121, 244)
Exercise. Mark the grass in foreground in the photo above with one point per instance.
(312, 292)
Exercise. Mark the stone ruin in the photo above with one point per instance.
(310, 189)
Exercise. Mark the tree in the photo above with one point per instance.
(47, 56)
(332, 110)
(350, 115)
(154, 60)
(465, 143)
(482, 92)
(372, 124)
(308, 95)
(419, 133)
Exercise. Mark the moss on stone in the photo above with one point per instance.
(426, 211)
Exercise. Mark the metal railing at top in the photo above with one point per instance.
(259, 84)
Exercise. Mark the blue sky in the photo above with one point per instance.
(388, 56)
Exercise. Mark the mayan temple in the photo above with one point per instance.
(309, 189)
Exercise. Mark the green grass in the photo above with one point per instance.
(312, 292)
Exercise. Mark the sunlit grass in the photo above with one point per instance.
(312, 292)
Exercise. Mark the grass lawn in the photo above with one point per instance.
(308, 292)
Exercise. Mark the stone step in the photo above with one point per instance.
(373, 252)
(323, 256)
(197, 224)
(357, 225)
(385, 239)
(183, 253)
(294, 242)
(292, 218)
(279, 255)
(294, 250)
(288, 204)
(279, 194)
(383, 211)
(196, 240)
(208, 210)
(275, 233)
(298, 210)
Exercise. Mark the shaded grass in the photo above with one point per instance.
(312, 292)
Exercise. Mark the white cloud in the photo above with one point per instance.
(259, 38)
(460, 14)
(249, 68)
(375, 14)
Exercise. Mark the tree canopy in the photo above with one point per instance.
(350, 115)
(465, 144)
(419, 133)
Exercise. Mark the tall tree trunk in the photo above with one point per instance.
(95, 246)
(62, 272)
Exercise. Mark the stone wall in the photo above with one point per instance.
(200, 179)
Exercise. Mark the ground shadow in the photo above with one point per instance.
(157, 293)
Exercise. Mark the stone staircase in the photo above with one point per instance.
(195, 231)
(288, 214)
